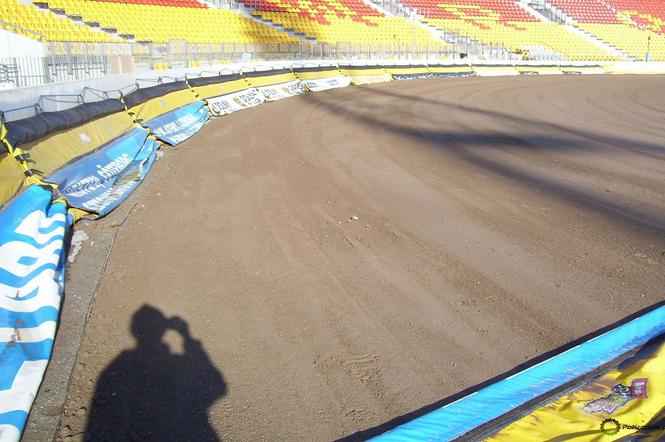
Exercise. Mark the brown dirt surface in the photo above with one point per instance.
(342, 258)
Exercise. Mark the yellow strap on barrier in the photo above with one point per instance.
(16, 153)
(31, 176)
(198, 97)
(132, 115)
(196, 94)
(249, 83)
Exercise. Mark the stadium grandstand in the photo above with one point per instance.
(633, 27)
(86, 38)
(332, 21)
(594, 30)
(511, 24)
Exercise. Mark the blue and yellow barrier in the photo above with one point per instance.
(581, 413)
(32, 266)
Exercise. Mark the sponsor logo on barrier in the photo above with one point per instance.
(280, 91)
(638, 388)
(91, 183)
(611, 427)
(454, 74)
(322, 84)
(620, 396)
(100, 181)
(412, 76)
(176, 126)
(234, 102)
(179, 130)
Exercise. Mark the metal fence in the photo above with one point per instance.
(35, 71)
(303, 49)
(79, 60)
(181, 52)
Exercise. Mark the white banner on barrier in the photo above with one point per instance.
(283, 90)
(226, 104)
(322, 84)
(500, 71)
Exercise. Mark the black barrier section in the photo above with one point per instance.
(487, 65)
(401, 72)
(424, 75)
(204, 81)
(315, 69)
(30, 129)
(579, 68)
(462, 66)
(453, 74)
(402, 66)
(361, 68)
(142, 95)
(266, 73)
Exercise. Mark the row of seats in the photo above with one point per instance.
(505, 23)
(503, 10)
(519, 36)
(45, 25)
(588, 11)
(625, 24)
(498, 22)
(180, 3)
(649, 14)
(334, 21)
(629, 39)
(161, 24)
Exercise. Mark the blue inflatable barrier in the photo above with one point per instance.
(176, 126)
(100, 181)
(32, 232)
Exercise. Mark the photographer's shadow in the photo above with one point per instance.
(149, 393)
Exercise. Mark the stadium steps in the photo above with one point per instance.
(532, 11)
(79, 20)
(242, 10)
(410, 13)
(550, 13)
(599, 41)
(245, 12)
(446, 37)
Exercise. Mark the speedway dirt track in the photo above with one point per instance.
(350, 256)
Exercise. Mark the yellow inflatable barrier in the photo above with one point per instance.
(366, 74)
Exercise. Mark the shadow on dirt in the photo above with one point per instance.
(586, 139)
(149, 393)
(463, 142)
